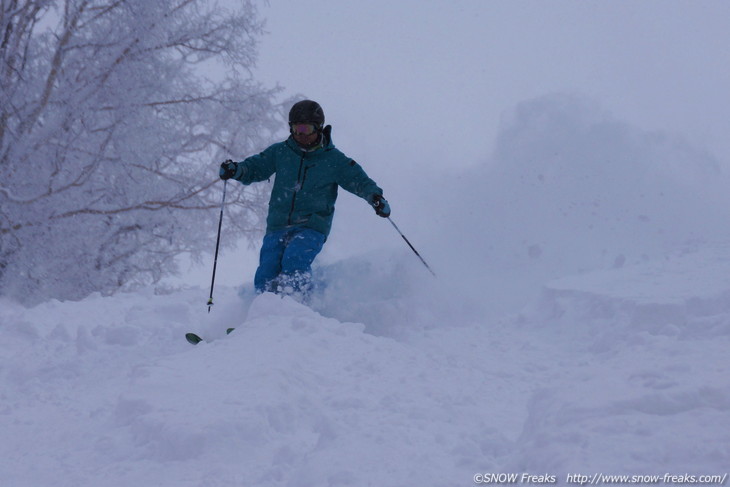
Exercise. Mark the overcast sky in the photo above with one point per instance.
(429, 79)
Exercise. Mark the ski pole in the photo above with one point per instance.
(217, 245)
(411, 246)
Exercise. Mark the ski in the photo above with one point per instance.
(194, 339)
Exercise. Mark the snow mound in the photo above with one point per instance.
(571, 189)
(685, 295)
(293, 398)
(289, 398)
(647, 379)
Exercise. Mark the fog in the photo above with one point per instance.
(437, 100)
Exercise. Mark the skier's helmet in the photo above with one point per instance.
(306, 111)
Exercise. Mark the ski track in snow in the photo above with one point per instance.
(622, 371)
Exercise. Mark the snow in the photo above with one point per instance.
(602, 374)
(565, 338)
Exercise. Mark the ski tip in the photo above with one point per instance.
(192, 338)
(229, 330)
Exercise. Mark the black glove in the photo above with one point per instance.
(228, 169)
(382, 208)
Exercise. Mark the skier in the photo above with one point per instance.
(308, 171)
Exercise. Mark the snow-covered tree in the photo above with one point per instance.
(113, 117)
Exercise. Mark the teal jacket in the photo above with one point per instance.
(306, 182)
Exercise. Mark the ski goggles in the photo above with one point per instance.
(303, 128)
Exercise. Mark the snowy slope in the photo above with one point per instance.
(647, 375)
(596, 376)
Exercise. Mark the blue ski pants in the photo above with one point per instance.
(286, 259)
